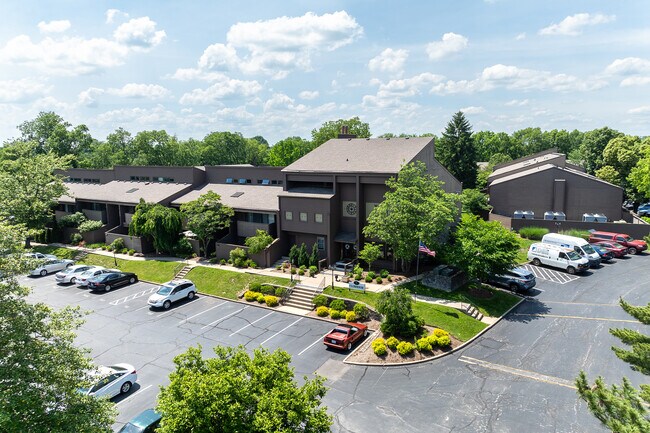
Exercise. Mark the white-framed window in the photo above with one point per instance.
(288, 215)
(318, 217)
(303, 217)
(321, 243)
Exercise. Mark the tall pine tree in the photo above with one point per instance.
(623, 408)
(456, 150)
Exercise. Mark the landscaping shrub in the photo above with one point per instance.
(104, 247)
(312, 271)
(268, 290)
(361, 311)
(72, 220)
(250, 263)
(222, 261)
(378, 341)
(368, 279)
(123, 251)
(389, 278)
(320, 300)
(440, 333)
(404, 348)
(423, 345)
(280, 292)
(238, 257)
(357, 277)
(378, 280)
(343, 313)
(89, 226)
(358, 270)
(250, 296)
(293, 271)
(337, 304)
(271, 300)
(255, 287)
(584, 234)
(131, 251)
(335, 314)
(372, 275)
(444, 341)
(432, 339)
(322, 311)
(76, 238)
(301, 271)
(183, 248)
(392, 342)
(117, 245)
(379, 349)
(533, 233)
(384, 273)
(260, 298)
(351, 316)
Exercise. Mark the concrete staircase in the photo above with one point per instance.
(473, 312)
(280, 262)
(301, 297)
(183, 272)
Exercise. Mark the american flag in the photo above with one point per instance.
(423, 249)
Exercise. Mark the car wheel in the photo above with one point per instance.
(631, 251)
(73, 280)
(349, 346)
(190, 296)
(571, 270)
(536, 262)
(166, 305)
(514, 287)
(131, 280)
(126, 387)
(68, 265)
(43, 273)
(107, 287)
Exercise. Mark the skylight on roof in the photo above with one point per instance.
(229, 180)
(237, 194)
(132, 190)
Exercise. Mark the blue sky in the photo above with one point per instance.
(282, 68)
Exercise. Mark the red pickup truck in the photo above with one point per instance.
(345, 335)
(633, 245)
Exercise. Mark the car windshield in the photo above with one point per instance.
(164, 290)
(573, 255)
(341, 330)
(67, 270)
(588, 249)
(628, 238)
(617, 245)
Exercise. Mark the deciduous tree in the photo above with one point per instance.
(234, 392)
(593, 145)
(370, 253)
(161, 223)
(286, 151)
(332, 128)
(474, 201)
(259, 242)
(395, 306)
(206, 216)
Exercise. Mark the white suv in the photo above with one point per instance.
(172, 291)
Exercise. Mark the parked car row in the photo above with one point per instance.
(575, 254)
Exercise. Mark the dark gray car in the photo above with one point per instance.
(516, 279)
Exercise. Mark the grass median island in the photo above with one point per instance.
(224, 283)
(455, 322)
(489, 301)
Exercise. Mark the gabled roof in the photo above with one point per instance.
(361, 155)
(541, 168)
(239, 197)
(121, 192)
(524, 163)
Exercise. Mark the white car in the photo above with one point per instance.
(51, 265)
(82, 279)
(172, 291)
(112, 381)
(39, 256)
(69, 275)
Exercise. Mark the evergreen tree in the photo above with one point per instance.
(303, 257)
(456, 150)
(623, 408)
(313, 258)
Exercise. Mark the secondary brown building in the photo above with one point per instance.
(546, 182)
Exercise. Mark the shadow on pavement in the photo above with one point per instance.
(529, 310)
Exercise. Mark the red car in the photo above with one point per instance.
(617, 250)
(345, 335)
(633, 245)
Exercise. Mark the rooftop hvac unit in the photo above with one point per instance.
(588, 218)
(554, 216)
(524, 215)
(600, 218)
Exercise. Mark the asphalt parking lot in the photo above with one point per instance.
(517, 377)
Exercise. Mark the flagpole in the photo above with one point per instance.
(417, 271)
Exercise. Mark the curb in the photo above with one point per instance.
(421, 361)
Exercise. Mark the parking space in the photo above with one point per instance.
(549, 274)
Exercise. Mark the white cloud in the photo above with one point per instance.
(89, 96)
(276, 47)
(54, 26)
(520, 36)
(139, 33)
(451, 43)
(225, 88)
(517, 103)
(573, 24)
(635, 69)
(640, 110)
(21, 90)
(635, 81)
(407, 86)
(111, 14)
(389, 60)
(308, 94)
(473, 110)
(70, 56)
(157, 117)
(515, 78)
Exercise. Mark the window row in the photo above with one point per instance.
(243, 181)
(303, 216)
(80, 180)
(149, 179)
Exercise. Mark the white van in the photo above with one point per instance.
(558, 257)
(578, 245)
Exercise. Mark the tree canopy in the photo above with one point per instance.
(414, 208)
(234, 392)
(456, 151)
(40, 366)
(332, 129)
(161, 223)
(286, 151)
(396, 307)
(206, 216)
(259, 242)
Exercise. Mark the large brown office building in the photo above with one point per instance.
(324, 198)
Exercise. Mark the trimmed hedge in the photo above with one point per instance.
(423, 345)
(361, 311)
(335, 314)
(322, 311)
(405, 348)
(337, 304)
(392, 342)
(320, 300)
(533, 233)
(379, 346)
(351, 316)
(251, 296)
(271, 300)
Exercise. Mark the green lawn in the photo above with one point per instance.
(226, 283)
(522, 255)
(496, 306)
(459, 324)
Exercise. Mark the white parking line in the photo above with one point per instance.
(141, 308)
(133, 296)
(133, 395)
(173, 310)
(250, 324)
(551, 275)
(311, 345)
(280, 331)
(224, 317)
(198, 314)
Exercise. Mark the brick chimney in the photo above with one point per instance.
(345, 132)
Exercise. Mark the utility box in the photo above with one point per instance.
(554, 216)
(588, 218)
(524, 215)
(600, 218)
